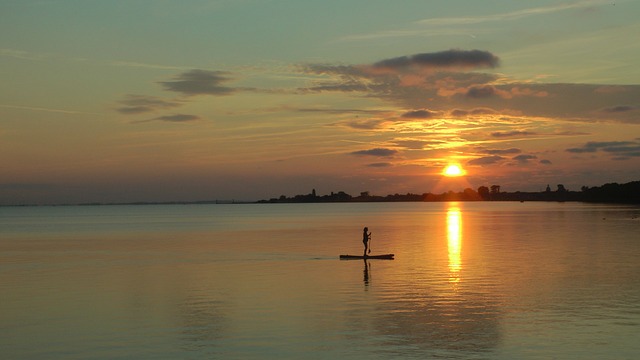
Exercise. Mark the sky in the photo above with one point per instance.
(162, 100)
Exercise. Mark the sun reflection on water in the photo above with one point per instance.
(454, 240)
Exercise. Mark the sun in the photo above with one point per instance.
(453, 170)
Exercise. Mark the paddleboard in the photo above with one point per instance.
(353, 257)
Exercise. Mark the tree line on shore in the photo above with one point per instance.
(608, 193)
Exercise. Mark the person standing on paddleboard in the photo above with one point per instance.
(365, 240)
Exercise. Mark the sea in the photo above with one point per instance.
(470, 280)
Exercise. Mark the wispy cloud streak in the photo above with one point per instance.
(61, 111)
(510, 16)
(455, 25)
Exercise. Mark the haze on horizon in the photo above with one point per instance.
(181, 101)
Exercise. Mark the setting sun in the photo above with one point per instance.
(453, 170)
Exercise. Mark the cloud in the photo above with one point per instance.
(545, 162)
(175, 118)
(418, 114)
(514, 15)
(340, 111)
(479, 92)
(501, 134)
(619, 109)
(423, 81)
(21, 54)
(347, 70)
(453, 58)
(178, 118)
(145, 65)
(472, 112)
(487, 91)
(593, 146)
(524, 158)
(621, 149)
(380, 165)
(486, 160)
(137, 104)
(51, 110)
(352, 86)
(365, 124)
(571, 133)
(460, 25)
(430, 70)
(581, 150)
(200, 82)
(417, 144)
(502, 151)
(381, 152)
(518, 91)
(348, 78)
(420, 76)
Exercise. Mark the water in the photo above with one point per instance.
(470, 281)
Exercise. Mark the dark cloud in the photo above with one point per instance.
(381, 152)
(621, 149)
(197, 82)
(502, 151)
(134, 109)
(472, 112)
(486, 160)
(619, 109)
(389, 78)
(625, 150)
(178, 118)
(581, 150)
(340, 111)
(483, 91)
(138, 104)
(367, 124)
(593, 146)
(545, 162)
(380, 165)
(418, 114)
(524, 158)
(438, 60)
(501, 134)
(351, 86)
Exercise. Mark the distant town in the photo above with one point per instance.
(609, 193)
(628, 193)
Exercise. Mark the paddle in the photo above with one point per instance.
(369, 243)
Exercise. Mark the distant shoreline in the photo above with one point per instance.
(614, 193)
(628, 193)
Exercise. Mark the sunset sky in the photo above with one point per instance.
(118, 101)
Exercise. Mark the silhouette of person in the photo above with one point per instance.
(365, 239)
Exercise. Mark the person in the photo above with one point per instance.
(365, 239)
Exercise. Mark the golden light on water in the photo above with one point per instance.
(454, 241)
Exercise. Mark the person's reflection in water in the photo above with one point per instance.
(366, 272)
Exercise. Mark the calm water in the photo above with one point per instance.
(470, 281)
